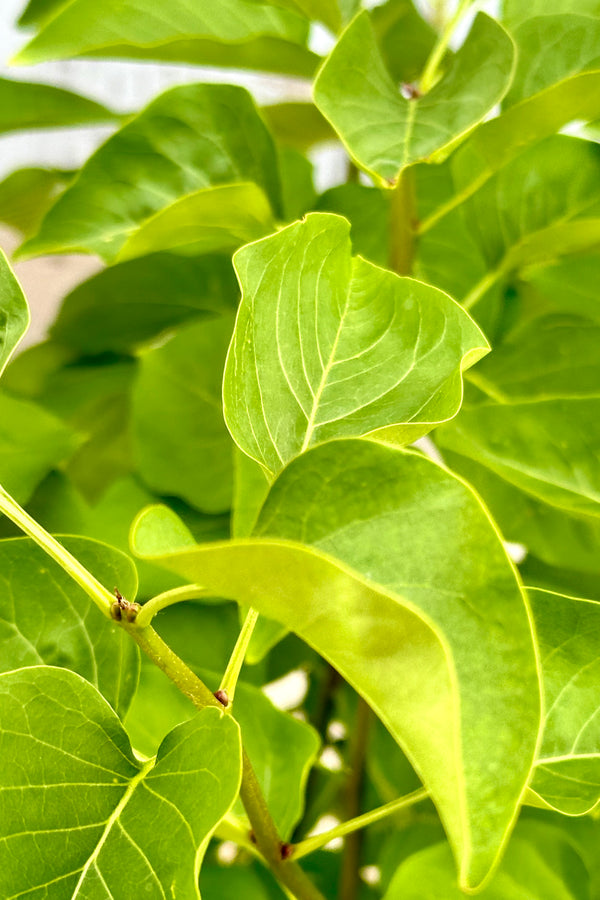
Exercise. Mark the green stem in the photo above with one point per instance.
(403, 219)
(236, 661)
(99, 594)
(264, 829)
(430, 72)
(483, 286)
(168, 598)
(319, 840)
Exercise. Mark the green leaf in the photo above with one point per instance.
(297, 125)
(237, 34)
(129, 304)
(568, 285)
(181, 443)
(539, 862)
(32, 442)
(281, 748)
(91, 396)
(296, 183)
(541, 205)
(26, 195)
(232, 882)
(191, 137)
(368, 211)
(515, 11)
(551, 49)
(325, 11)
(539, 430)
(212, 220)
(358, 348)
(502, 139)
(46, 618)
(14, 312)
(567, 773)
(376, 531)
(81, 815)
(383, 131)
(24, 106)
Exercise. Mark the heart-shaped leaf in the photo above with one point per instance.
(81, 815)
(367, 576)
(46, 618)
(146, 166)
(384, 131)
(358, 349)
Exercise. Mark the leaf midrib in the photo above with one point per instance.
(112, 820)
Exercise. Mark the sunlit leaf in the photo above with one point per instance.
(357, 347)
(385, 132)
(384, 551)
(76, 801)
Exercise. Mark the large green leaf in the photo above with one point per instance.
(14, 312)
(540, 863)
(298, 125)
(46, 618)
(130, 303)
(551, 49)
(236, 33)
(212, 220)
(385, 132)
(356, 550)
(181, 443)
(32, 442)
(26, 195)
(326, 11)
(539, 429)
(24, 105)
(358, 348)
(281, 748)
(567, 285)
(189, 138)
(567, 773)
(82, 817)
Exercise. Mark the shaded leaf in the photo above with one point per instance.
(405, 38)
(538, 429)
(212, 220)
(46, 618)
(567, 773)
(191, 137)
(128, 304)
(181, 444)
(383, 131)
(538, 864)
(237, 34)
(24, 105)
(358, 348)
(76, 802)
(281, 749)
(298, 125)
(296, 183)
(386, 550)
(32, 442)
(26, 194)
(368, 211)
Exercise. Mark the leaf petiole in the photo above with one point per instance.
(430, 72)
(99, 594)
(236, 661)
(319, 840)
(168, 598)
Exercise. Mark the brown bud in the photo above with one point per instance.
(222, 697)
(286, 850)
